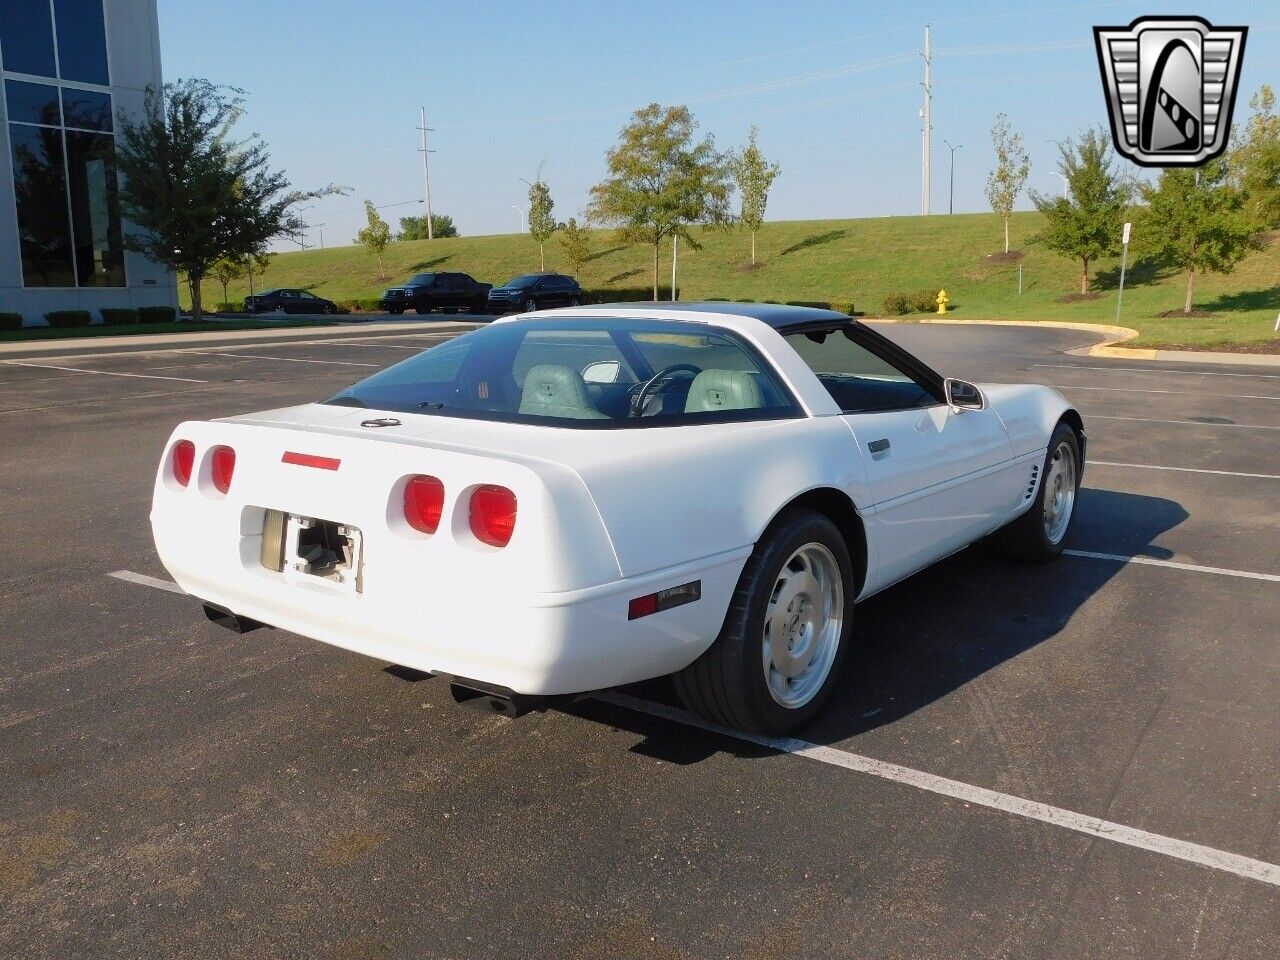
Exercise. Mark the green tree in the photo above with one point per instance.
(1255, 162)
(257, 261)
(375, 235)
(1006, 181)
(227, 269)
(196, 193)
(541, 223)
(415, 228)
(1195, 220)
(576, 243)
(754, 176)
(1088, 223)
(660, 181)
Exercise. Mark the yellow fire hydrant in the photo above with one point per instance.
(943, 300)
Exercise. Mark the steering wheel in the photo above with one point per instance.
(641, 397)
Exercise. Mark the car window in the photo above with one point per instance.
(288, 294)
(305, 295)
(857, 379)
(587, 373)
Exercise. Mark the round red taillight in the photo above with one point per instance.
(423, 503)
(183, 458)
(493, 515)
(223, 466)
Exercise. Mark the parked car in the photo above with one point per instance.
(592, 497)
(288, 301)
(436, 291)
(535, 291)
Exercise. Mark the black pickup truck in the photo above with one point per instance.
(437, 291)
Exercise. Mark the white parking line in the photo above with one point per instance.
(1180, 393)
(251, 356)
(1152, 466)
(1163, 370)
(143, 580)
(1185, 850)
(1194, 853)
(1189, 423)
(1174, 565)
(103, 373)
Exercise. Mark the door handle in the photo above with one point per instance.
(878, 446)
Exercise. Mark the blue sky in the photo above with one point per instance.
(334, 86)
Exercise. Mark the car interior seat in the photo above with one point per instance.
(713, 390)
(552, 390)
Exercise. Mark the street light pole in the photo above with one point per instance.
(523, 211)
(951, 200)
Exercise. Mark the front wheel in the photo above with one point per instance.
(530, 305)
(1041, 533)
(786, 634)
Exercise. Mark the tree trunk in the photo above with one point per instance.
(1006, 234)
(1084, 277)
(1191, 281)
(542, 257)
(197, 311)
(753, 248)
(224, 293)
(655, 270)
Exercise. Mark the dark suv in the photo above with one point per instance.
(535, 291)
(288, 301)
(436, 291)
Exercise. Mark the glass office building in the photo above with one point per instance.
(68, 70)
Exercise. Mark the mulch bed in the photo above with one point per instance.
(1258, 346)
(1077, 297)
(1013, 256)
(1179, 313)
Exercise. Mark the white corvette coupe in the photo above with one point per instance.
(563, 502)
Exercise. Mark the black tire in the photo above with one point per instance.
(575, 302)
(422, 310)
(530, 305)
(395, 311)
(727, 684)
(1027, 538)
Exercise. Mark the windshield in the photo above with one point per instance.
(421, 280)
(528, 280)
(586, 373)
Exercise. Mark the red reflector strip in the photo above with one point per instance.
(664, 600)
(310, 460)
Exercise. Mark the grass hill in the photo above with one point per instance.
(859, 261)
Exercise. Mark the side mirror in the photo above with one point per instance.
(602, 371)
(962, 395)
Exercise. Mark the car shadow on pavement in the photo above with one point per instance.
(931, 634)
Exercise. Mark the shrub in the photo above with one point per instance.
(360, 305)
(896, 304)
(157, 314)
(229, 306)
(925, 301)
(844, 306)
(68, 318)
(626, 295)
(10, 321)
(118, 316)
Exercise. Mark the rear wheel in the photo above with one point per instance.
(786, 635)
(1041, 533)
(395, 311)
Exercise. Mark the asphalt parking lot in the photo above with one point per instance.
(1068, 761)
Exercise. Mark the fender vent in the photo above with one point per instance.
(1031, 483)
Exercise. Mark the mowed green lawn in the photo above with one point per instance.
(861, 261)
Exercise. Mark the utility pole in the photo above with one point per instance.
(951, 197)
(426, 172)
(320, 227)
(926, 116)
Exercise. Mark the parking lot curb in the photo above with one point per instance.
(70, 344)
(1109, 346)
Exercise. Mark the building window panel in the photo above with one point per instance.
(32, 102)
(26, 37)
(82, 40)
(95, 209)
(39, 180)
(86, 109)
